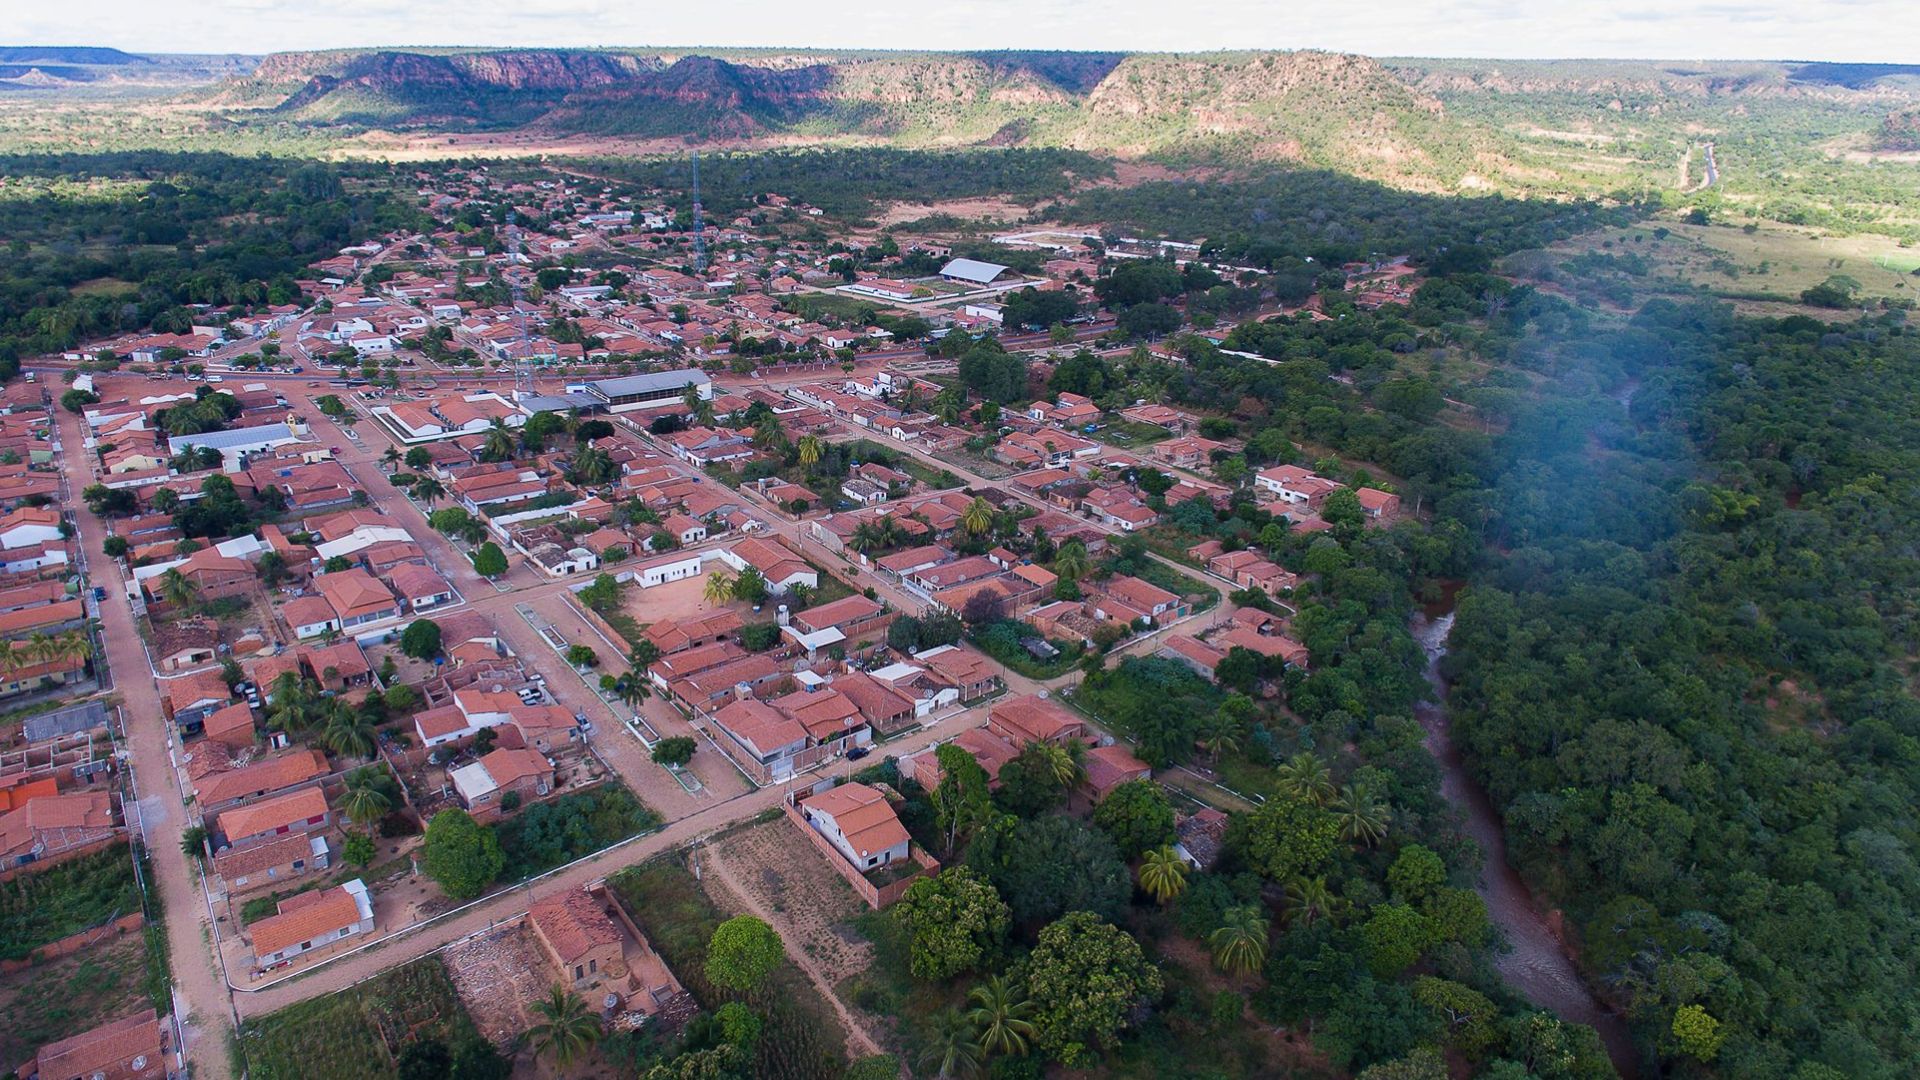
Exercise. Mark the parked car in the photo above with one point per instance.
(859, 752)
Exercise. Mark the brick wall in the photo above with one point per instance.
(73, 943)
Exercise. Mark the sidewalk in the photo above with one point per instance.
(162, 809)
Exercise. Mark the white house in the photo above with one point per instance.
(859, 823)
(674, 567)
(1295, 485)
(28, 526)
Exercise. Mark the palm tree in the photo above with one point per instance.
(978, 517)
(71, 646)
(768, 436)
(500, 443)
(1219, 735)
(1163, 874)
(38, 649)
(1071, 562)
(1062, 763)
(363, 803)
(952, 1051)
(348, 731)
(391, 458)
(631, 689)
(868, 535)
(1309, 899)
(567, 1027)
(1240, 945)
(427, 489)
(591, 466)
(719, 588)
(1000, 1018)
(291, 703)
(809, 450)
(177, 588)
(1363, 818)
(1304, 776)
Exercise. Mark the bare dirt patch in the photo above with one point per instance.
(498, 977)
(772, 872)
(981, 209)
(776, 868)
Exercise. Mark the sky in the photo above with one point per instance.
(1835, 30)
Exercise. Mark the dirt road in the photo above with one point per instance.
(353, 967)
(200, 987)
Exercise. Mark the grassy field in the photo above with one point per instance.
(814, 305)
(358, 1032)
(66, 899)
(1772, 261)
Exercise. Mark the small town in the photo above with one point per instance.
(994, 542)
(416, 607)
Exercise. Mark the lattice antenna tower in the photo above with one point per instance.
(522, 347)
(699, 224)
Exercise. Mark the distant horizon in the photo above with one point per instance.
(646, 48)
(1848, 31)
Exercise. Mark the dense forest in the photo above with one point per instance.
(1290, 213)
(1682, 659)
(848, 183)
(1687, 676)
(112, 243)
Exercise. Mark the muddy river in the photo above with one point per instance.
(1537, 964)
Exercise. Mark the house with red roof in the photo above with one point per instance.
(311, 920)
(1024, 720)
(134, 1047)
(860, 824)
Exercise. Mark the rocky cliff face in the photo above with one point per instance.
(1094, 100)
(1900, 133)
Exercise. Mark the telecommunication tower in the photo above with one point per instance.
(699, 224)
(522, 346)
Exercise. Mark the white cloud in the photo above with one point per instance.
(1851, 30)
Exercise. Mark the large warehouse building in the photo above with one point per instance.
(649, 391)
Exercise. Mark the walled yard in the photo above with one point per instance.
(51, 1001)
(771, 871)
(499, 976)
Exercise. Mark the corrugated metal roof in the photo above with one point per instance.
(657, 380)
(234, 438)
(972, 270)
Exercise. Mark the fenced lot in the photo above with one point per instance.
(42, 907)
(360, 1032)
